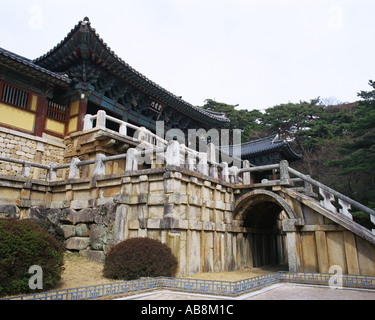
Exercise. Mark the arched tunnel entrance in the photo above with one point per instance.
(262, 213)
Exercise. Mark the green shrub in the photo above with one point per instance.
(52, 229)
(22, 245)
(139, 257)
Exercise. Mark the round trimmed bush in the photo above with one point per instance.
(24, 244)
(139, 257)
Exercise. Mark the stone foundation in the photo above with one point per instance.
(22, 146)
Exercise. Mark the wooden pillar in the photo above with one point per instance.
(1, 88)
(81, 114)
(41, 114)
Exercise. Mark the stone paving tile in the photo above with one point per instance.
(274, 292)
(301, 292)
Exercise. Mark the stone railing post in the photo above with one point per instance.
(87, 122)
(99, 166)
(141, 134)
(101, 118)
(202, 166)
(211, 158)
(190, 161)
(123, 129)
(246, 177)
(131, 160)
(52, 172)
(284, 172)
(308, 186)
(74, 172)
(26, 169)
(233, 173)
(173, 153)
(224, 172)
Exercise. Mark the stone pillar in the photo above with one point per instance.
(74, 171)
(101, 119)
(234, 175)
(202, 164)
(211, 158)
(131, 160)
(224, 172)
(190, 161)
(293, 244)
(87, 122)
(173, 153)
(121, 224)
(123, 129)
(284, 173)
(99, 166)
(52, 172)
(293, 258)
(26, 170)
(246, 178)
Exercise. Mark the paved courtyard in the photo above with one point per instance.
(280, 291)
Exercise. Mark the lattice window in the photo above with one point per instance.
(56, 111)
(15, 96)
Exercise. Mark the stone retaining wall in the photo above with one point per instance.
(18, 145)
(189, 213)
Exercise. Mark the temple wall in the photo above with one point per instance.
(19, 145)
(191, 215)
(321, 244)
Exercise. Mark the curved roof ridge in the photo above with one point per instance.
(29, 63)
(263, 139)
(216, 116)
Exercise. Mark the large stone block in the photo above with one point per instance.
(155, 199)
(69, 231)
(98, 236)
(84, 216)
(82, 230)
(97, 256)
(156, 212)
(9, 212)
(77, 243)
(121, 198)
(79, 204)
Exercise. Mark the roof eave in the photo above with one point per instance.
(142, 81)
(24, 65)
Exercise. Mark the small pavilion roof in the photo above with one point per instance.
(266, 146)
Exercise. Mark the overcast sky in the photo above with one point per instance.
(255, 53)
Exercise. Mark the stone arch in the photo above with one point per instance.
(260, 196)
(261, 213)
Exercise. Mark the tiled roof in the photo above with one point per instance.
(26, 65)
(266, 145)
(139, 78)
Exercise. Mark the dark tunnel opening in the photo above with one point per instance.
(266, 238)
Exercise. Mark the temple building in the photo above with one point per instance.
(79, 76)
(268, 150)
(48, 97)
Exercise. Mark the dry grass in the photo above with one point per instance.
(237, 275)
(81, 272)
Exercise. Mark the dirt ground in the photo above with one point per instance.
(82, 272)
